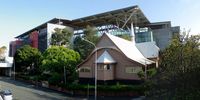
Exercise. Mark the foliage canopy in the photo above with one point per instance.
(179, 71)
(82, 44)
(2, 53)
(27, 58)
(61, 37)
(57, 58)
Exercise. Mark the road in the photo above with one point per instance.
(24, 91)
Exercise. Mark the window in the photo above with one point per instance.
(133, 69)
(100, 67)
(85, 69)
(104, 67)
(107, 67)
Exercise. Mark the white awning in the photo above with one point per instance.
(105, 58)
(5, 65)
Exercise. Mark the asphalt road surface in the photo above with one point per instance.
(24, 91)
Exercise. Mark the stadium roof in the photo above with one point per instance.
(121, 17)
(125, 15)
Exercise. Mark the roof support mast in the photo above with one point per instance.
(132, 33)
(128, 19)
(134, 11)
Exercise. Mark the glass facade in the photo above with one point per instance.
(118, 32)
(42, 42)
(142, 35)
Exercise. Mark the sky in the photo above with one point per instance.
(19, 16)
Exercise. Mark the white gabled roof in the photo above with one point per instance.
(148, 49)
(105, 58)
(129, 49)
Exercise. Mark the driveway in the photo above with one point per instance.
(24, 91)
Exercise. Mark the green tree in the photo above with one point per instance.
(61, 37)
(125, 36)
(81, 43)
(27, 59)
(178, 75)
(56, 59)
(2, 53)
(90, 34)
(82, 47)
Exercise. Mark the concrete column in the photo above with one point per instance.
(151, 36)
(132, 33)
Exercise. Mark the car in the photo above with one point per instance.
(6, 95)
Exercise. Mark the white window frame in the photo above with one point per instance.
(133, 70)
(104, 67)
(85, 69)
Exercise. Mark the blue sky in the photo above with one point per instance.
(18, 16)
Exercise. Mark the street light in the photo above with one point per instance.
(95, 77)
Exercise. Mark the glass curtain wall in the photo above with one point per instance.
(142, 34)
